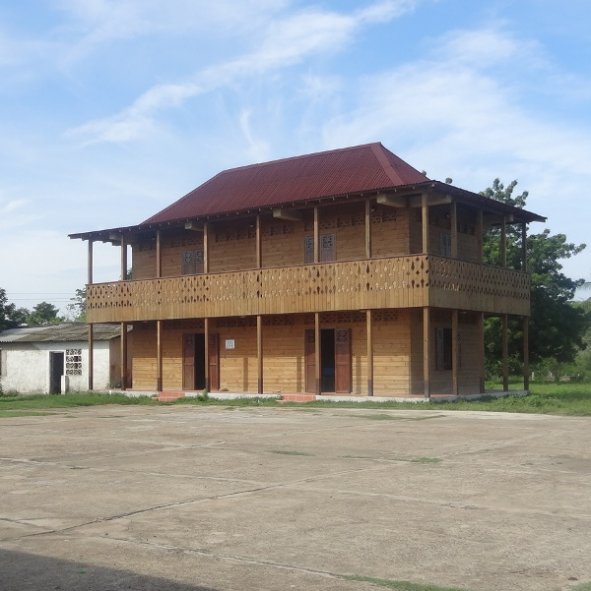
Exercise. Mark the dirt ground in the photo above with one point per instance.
(213, 499)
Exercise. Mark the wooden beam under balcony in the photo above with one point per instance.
(392, 200)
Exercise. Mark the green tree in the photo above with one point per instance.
(77, 306)
(556, 327)
(43, 314)
(6, 311)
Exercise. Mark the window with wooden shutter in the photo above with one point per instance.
(308, 249)
(192, 262)
(443, 348)
(328, 248)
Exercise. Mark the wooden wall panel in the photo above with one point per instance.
(390, 231)
(232, 246)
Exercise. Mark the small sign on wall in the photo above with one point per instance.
(230, 344)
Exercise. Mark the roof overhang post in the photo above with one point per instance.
(503, 244)
(454, 228)
(123, 258)
(206, 252)
(480, 233)
(368, 229)
(158, 254)
(425, 222)
(258, 242)
(524, 247)
(316, 235)
(89, 264)
(90, 357)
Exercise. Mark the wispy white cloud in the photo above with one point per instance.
(284, 42)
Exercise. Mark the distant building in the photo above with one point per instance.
(340, 272)
(54, 359)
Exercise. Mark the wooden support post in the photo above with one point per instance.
(503, 245)
(90, 357)
(90, 265)
(455, 389)
(206, 353)
(260, 383)
(482, 356)
(159, 355)
(369, 326)
(158, 254)
(425, 222)
(453, 219)
(316, 235)
(205, 251)
(259, 249)
(480, 233)
(123, 258)
(524, 247)
(123, 353)
(368, 229)
(526, 353)
(505, 350)
(426, 353)
(317, 383)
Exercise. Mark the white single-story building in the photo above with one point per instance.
(54, 359)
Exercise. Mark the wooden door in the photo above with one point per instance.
(213, 354)
(309, 361)
(343, 380)
(189, 362)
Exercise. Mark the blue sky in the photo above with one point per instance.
(112, 109)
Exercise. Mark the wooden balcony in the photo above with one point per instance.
(401, 282)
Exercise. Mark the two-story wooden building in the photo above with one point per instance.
(346, 271)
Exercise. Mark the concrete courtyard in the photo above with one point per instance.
(186, 498)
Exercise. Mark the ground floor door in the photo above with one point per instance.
(335, 360)
(194, 355)
(56, 371)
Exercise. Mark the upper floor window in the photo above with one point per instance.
(192, 262)
(328, 248)
(445, 244)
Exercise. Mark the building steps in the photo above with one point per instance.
(297, 397)
(169, 396)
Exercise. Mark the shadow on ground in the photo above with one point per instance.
(20, 571)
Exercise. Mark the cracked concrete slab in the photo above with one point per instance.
(211, 499)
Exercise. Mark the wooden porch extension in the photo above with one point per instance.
(416, 281)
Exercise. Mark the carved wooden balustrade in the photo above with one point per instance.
(400, 282)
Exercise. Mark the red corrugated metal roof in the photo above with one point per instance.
(357, 169)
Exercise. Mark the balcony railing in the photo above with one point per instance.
(400, 282)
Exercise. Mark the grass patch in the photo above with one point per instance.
(286, 452)
(400, 585)
(21, 413)
(426, 460)
(45, 401)
(558, 399)
(582, 587)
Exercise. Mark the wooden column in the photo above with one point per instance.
(258, 242)
(455, 389)
(316, 235)
(90, 263)
(123, 355)
(317, 383)
(480, 233)
(90, 357)
(158, 254)
(454, 228)
(503, 245)
(426, 353)
(524, 247)
(425, 222)
(205, 252)
(260, 383)
(159, 355)
(123, 258)
(482, 356)
(526, 353)
(206, 337)
(368, 229)
(90, 327)
(505, 350)
(369, 326)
